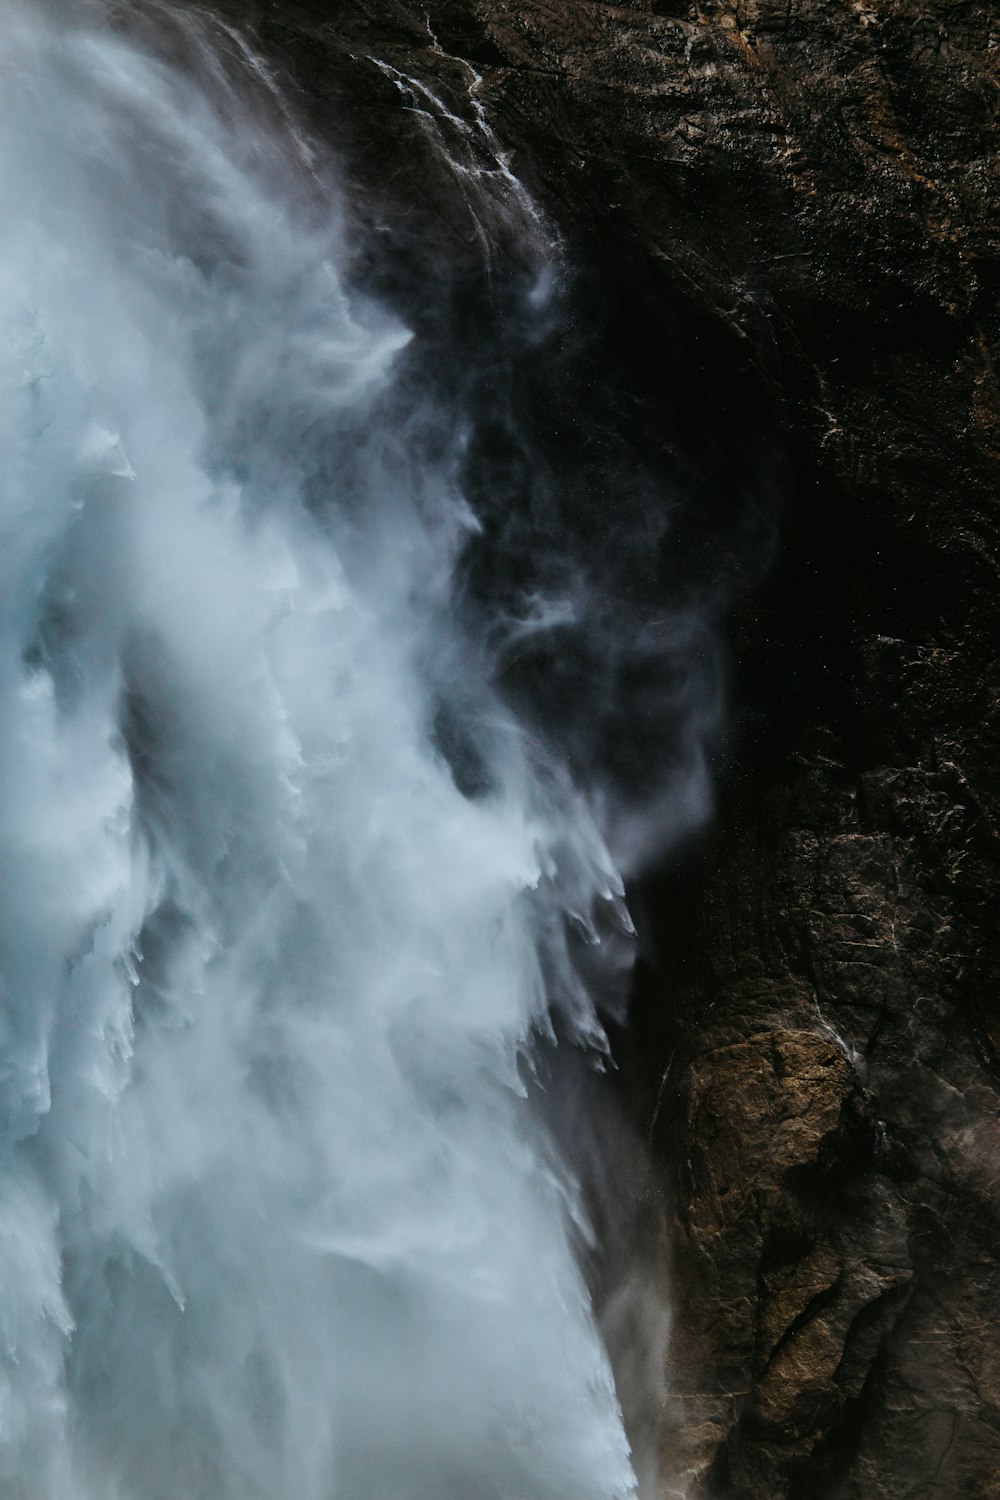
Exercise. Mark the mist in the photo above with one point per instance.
(290, 888)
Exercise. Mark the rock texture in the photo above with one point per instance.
(785, 214)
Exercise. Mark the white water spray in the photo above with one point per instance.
(276, 1222)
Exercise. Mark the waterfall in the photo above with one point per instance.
(286, 886)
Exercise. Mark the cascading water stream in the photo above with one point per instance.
(276, 1219)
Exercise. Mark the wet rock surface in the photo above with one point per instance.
(785, 218)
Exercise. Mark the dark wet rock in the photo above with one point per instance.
(785, 219)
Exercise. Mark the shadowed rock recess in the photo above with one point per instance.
(784, 219)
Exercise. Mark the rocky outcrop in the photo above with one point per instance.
(785, 218)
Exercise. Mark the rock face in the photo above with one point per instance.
(785, 214)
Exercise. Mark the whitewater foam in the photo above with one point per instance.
(276, 1219)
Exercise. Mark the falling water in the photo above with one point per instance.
(276, 1218)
